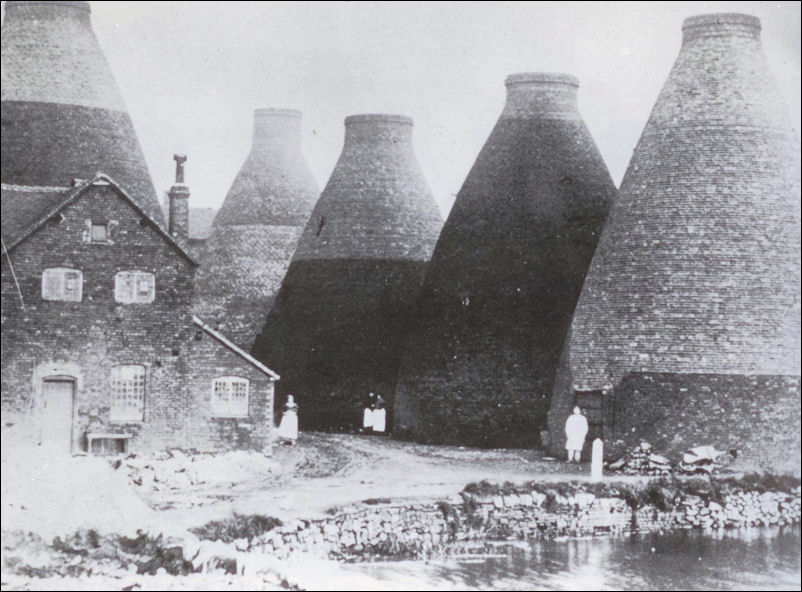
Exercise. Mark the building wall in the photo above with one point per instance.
(209, 359)
(756, 415)
(84, 340)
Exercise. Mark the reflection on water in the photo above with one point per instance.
(746, 559)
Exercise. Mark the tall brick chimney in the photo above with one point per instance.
(336, 326)
(178, 197)
(57, 86)
(688, 326)
(257, 229)
(484, 346)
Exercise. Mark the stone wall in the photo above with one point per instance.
(418, 531)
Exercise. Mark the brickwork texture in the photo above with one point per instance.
(84, 340)
(256, 231)
(335, 329)
(697, 272)
(63, 116)
(505, 276)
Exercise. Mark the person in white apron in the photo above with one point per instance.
(576, 428)
(367, 415)
(379, 416)
(288, 428)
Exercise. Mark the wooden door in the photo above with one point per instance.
(57, 411)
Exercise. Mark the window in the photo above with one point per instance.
(134, 287)
(59, 283)
(99, 233)
(128, 393)
(230, 397)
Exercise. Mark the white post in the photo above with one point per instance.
(596, 460)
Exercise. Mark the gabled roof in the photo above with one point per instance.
(240, 352)
(26, 209)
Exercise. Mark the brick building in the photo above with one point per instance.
(479, 363)
(257, 228)
(98, 336)
(687, 331)
(335, 329)
(99, 342)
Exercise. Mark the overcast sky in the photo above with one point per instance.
(192, 73)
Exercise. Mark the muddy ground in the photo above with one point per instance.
(323, 473)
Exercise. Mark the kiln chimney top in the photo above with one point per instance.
(725, 24)
(43, 8)
(378, 118)
(379, 130)
(270, 112)
(545, 95)
(276, 129)
(541, 78)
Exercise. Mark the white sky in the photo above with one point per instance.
(192, 73)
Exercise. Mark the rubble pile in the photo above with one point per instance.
(641, 461)
(177, 469)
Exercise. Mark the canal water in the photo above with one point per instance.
(744, 559)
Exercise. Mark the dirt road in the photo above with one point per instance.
(324, 472)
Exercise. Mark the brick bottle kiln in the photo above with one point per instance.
(335, 329)
(505, 275)
(688, 328)
(62, 113)
(257, 229)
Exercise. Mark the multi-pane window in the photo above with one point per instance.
(128, 393)
(60, 283)
(100, 233)
(134, 287)
(230, 396)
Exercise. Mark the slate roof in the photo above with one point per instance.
(232, 347)
(22, 205)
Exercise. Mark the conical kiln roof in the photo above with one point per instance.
(257, 228)
(505, 275)
(692, 303)
(62, 114)
(335, 329)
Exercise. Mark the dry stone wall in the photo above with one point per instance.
(422, 530)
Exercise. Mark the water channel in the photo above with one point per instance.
(743, 559)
